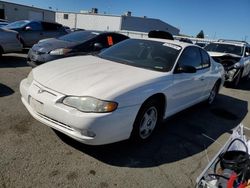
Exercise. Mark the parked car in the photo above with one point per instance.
(123, 92)
(76, 43)
(2, 24)
(202, 44)
(9, 41)
(187, 40)
(234, 56)
(33, 31)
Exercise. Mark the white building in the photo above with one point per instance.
(103, 22)
(13, 12)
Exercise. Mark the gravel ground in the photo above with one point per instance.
(33, 155)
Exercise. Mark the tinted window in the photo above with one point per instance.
(35, 26)
(105, 40)
(78, 36)
(224, 48)
(205, 59)
(191, 57)
(50, 26)
(118, 38)
(247, 51)
(147, 54)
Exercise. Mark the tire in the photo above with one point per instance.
(1, 51)
(213, 93)
(147, 119)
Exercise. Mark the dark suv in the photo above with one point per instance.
(32, 31)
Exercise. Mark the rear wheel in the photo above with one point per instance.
(146, 121)
(213, 93)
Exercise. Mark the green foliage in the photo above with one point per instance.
(200, 35)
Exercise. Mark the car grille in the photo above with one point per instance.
(56, 122)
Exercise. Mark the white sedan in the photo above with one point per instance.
(122, 93)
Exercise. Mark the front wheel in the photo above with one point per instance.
(213, 93)
(146, 121)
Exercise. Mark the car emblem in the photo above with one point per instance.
(40, 91)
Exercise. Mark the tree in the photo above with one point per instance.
(200, 35)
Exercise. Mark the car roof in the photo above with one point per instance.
(100, 32)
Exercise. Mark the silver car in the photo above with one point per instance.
(9, 41)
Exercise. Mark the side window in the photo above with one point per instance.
(205, 59)
(118, 38)
(35, 26)
(191, 57)
(103, 39)
(50, 26)
(247, 51)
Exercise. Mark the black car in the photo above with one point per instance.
(32, 31)
(75, 43)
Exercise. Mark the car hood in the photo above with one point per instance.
(218, 54)
(93, 76)
(48, 45)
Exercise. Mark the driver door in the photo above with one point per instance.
(32, 33)
(188, 88)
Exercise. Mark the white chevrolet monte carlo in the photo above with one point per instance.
(122, 93)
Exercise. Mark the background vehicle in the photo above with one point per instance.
(33, 31)
(3, 23)
(234, 56)
(9, 41)
(123, 92)
(75, 43)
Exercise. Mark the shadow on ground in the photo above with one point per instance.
(182, 136)
(5, 90)
(9, 60)
(244, 85)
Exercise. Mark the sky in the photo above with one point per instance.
(227, 19)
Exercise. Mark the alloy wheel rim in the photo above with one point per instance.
(148, 122)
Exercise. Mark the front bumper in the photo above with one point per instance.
(37, 58)
(231, 74)
(45, 106)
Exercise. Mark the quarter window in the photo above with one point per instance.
(205, 59)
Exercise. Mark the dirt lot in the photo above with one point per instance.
(33, 155)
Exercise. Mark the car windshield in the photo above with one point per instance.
(146, 54)
(17, 24)
(78, 36)
(225, 48)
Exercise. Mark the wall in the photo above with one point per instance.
(14, 12)
(70, 22)
(90, 21)
(141, 24)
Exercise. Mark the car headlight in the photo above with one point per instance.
(90, 104)
(30, 78)
(60, 51)
(237, 65)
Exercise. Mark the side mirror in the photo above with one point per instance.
(98, 46)
(247, 54)
(186, 69)
(27, 28)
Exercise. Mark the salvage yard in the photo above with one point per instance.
(33, 155)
